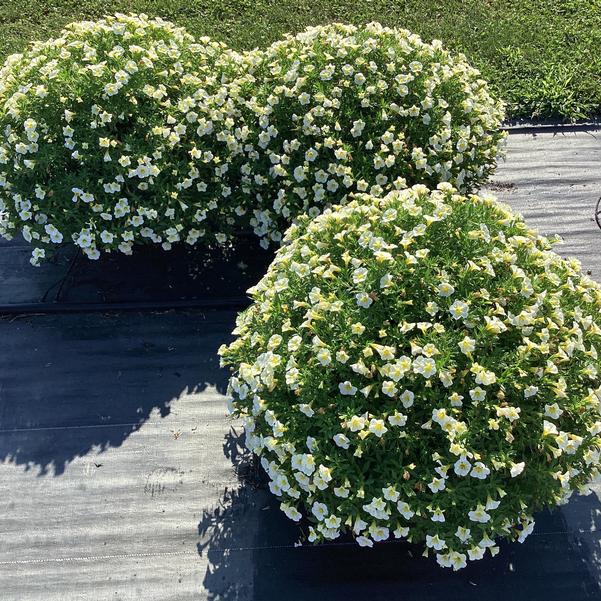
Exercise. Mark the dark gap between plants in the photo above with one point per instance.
(150, 279)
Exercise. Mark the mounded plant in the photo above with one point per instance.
(420, 366)
(343, 109)
(127, 130)
(108, 137)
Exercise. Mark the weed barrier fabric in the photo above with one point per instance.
(553, 179)
(121, 479)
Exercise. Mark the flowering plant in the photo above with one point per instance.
(421, 366)
(104, 139)
(342, 109)
(126, 130)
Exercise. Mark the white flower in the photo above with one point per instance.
(324, 356)
(389, 388)
(459, 310)
(480, 471)
(401, 531)
(281, 284)
(467, 345)
(435, 542)
(55, 235)
(425, 366)
(358, 125)
(445, 289)
(443, 560)
(438, 515)
(494, 325)
(360, 275)
(437, 485)
(359, 526)
(341, 440)
(475, 553)
(458, 560)
(274, 341)
(319, 510)
(360, 80)
(390, 494)
(357, 328)
(490, 504)
(299, 173)
(378, 533)
(36, 255)
(530, 391)
(432, 308)
(341, 492)
(303, 462)
(478, 394)
(510, 413)
(439, 416)
(364, 541)
(377, 427)
(405, 510)
(462, 466)
(306, 409)
(342, 356)
(311, 154)
(479, 515)
(386, 281)
(325, 473)
(397, 419)
(347, 389)
(364, 300)
(484, 376)
(406, 398)
(143, 171)
(517, 469)
(84, 239)
(294, 343)
(527, 530)
(107, 237)
(332, 522)
(463, 534)
(553, 411)
(456, 400)
(291, 512)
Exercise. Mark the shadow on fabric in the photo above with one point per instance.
(251, 552)
(81, 383)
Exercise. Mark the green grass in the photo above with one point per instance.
(542, 56)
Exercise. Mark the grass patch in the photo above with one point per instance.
(542, 56)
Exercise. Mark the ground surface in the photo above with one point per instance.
(541, 55)
(121, 479)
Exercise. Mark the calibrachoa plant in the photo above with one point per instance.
(421, 366)
(342, 109)
(126, 130)
(107, 138)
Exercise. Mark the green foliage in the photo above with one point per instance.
(421, 366)
(552, 37)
